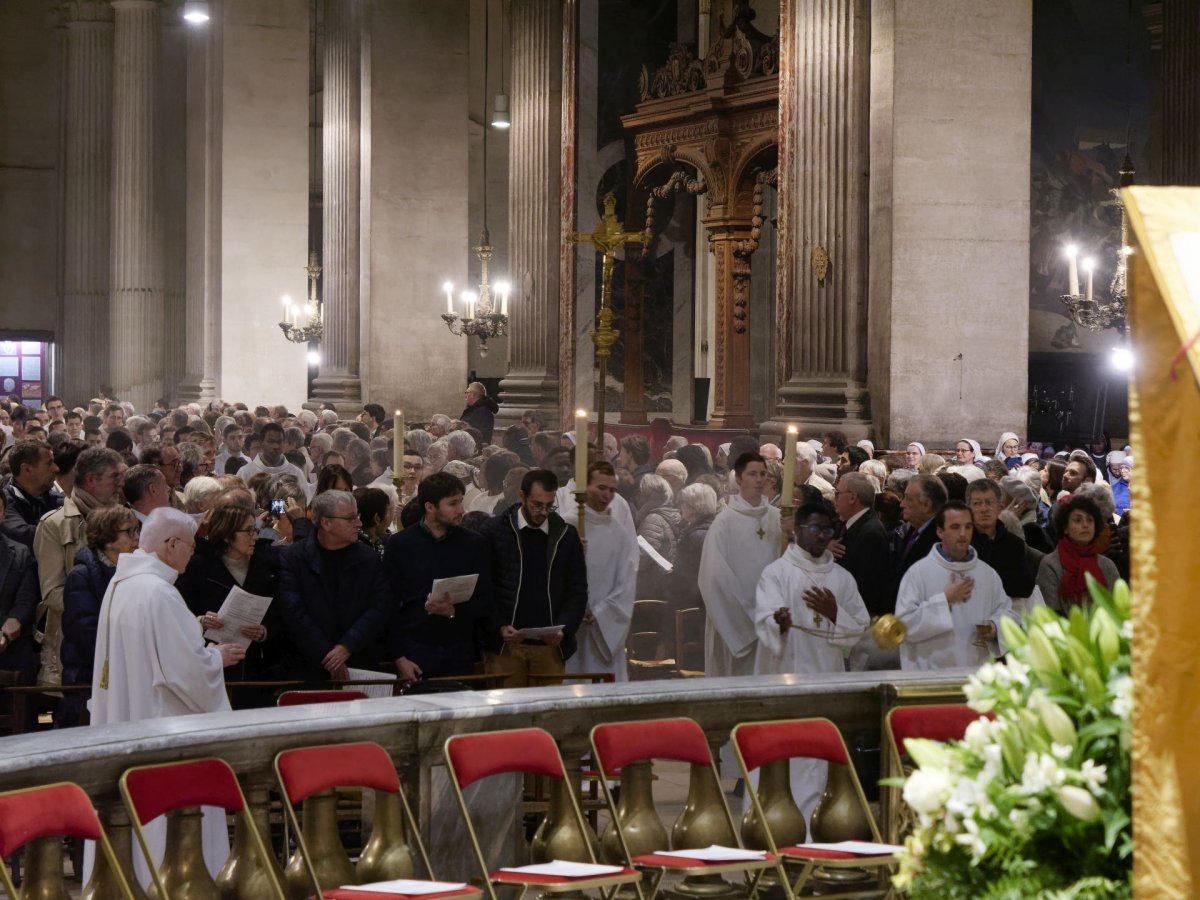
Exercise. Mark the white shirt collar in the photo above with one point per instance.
(521, 523)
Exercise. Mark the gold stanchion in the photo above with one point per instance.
(244, 873)
(183, 871)
(838, 816)
(387, 855)
(319, 827)
(703, 823)
(558, 836)
(44, 871)
(783, 817)
(104, 885)
(643, 829)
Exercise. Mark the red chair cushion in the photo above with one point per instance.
(339, 894)
(156, 790)
(530, 878)
(819, 853)
(765, 742)
(679, 862)
(623, 743)
(311, 770)
(61, 809)
(936, 723)
(303, 698)
(528, 750)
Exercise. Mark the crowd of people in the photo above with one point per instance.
(125, 532)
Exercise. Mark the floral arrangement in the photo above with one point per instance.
(1034, 802)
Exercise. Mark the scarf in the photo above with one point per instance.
(1076, 562)
(85, 501)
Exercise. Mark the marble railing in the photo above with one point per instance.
(414, 729)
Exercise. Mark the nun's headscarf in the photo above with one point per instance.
(919, 446)
(1007, 436)
(868, 447)
(979, 457)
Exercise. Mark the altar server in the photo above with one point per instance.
(950, 601)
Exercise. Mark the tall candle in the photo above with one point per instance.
(398, 444)
(581, 449)
(1088, 266)
(449, 289)
(1072, 271)
(287, 310)
(789, 466)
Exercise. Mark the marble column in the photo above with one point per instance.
(171, 190)
(1175, 120)
(339, 381)
(535, 192)
(86, 199)
(136, 299)
(820, 376)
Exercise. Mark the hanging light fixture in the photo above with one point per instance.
(485, 310)
(195, 12)
(500, 107)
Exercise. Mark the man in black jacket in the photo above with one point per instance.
(480, 412)
(863, 549)
(18, 604)
(924, 495)
(539, 580)
(27, 497)
(1001, 550)
(333, 592)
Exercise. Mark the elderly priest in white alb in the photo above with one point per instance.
(742, 540)
(951, 602)
(151, 660)
(808, 616)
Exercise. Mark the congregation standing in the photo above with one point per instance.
(106, 510)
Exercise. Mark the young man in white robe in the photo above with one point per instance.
(743, 540)
(611, 551)
(950, 601)
(151, 659)
(808, 617)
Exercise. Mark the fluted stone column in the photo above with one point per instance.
(171, 191)
(339, 381)
(136, 299)
(87, 199)
(535, 192)
(824, 94)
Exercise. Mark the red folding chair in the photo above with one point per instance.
(303, 698)
(935, 722)
(153, 791)
(313, 770)
(55, 810)
(760, 743)
(621, 744)
(529, 751)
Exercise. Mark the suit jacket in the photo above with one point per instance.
(868, 558)
(902, 561)
(18, 583)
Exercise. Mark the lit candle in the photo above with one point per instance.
(581, 449)
(502, 288)
(449, 289)
(1072, 271)
(1088, 266)
(287, 309)
(295, 320)
(789, 466)
(398, 444)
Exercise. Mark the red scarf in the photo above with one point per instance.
(1076, 562)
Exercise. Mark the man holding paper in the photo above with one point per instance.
(432, 633)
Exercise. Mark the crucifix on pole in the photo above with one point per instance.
(608, 237)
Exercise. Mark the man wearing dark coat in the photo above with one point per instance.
(864, 549)
(480, 412)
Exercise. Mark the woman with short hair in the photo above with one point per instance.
(1062, 575)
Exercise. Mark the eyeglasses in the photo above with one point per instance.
(353, 518)
(543, 507)
(822, 530)
(411, 467)
(250, 530)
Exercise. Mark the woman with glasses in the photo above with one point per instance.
(111, 531)
(229, 554)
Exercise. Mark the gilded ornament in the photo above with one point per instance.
(820, 263)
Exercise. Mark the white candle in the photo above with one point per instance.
(398, 444)
(502, 288)
(1088, 266)
(789, 466)
(287, 309)
(449, 289)
(1072, 271)
(465, 297)
(581, 449)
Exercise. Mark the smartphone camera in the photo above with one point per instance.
(278, 506)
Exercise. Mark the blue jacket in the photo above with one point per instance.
(82, 596)
(353, 612)
(1120, 489)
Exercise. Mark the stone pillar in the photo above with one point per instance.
(535, 192)
(339, 380)
(949, 213)
(136, 300)
(633, 411)
(171, 190)
(820, 377)
(86, 200)
(1175, 128)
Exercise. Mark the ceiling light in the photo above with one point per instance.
(500, 114)
(195, 11)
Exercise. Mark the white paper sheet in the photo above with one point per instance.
(406, 886)
(460, 588)
(563, 869)
(658, 558)
(239, 608)
(539, 634)
(715, 853)
(371, 690)
(862, 848)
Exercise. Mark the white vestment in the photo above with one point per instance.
(941, 635)
(783, 584)
(158, 666)
(568, 508)
(612, 555)
(258, 464)
(741, 542)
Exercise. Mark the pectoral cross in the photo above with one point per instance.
(761, 534)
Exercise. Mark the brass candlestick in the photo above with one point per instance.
(608, 237)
